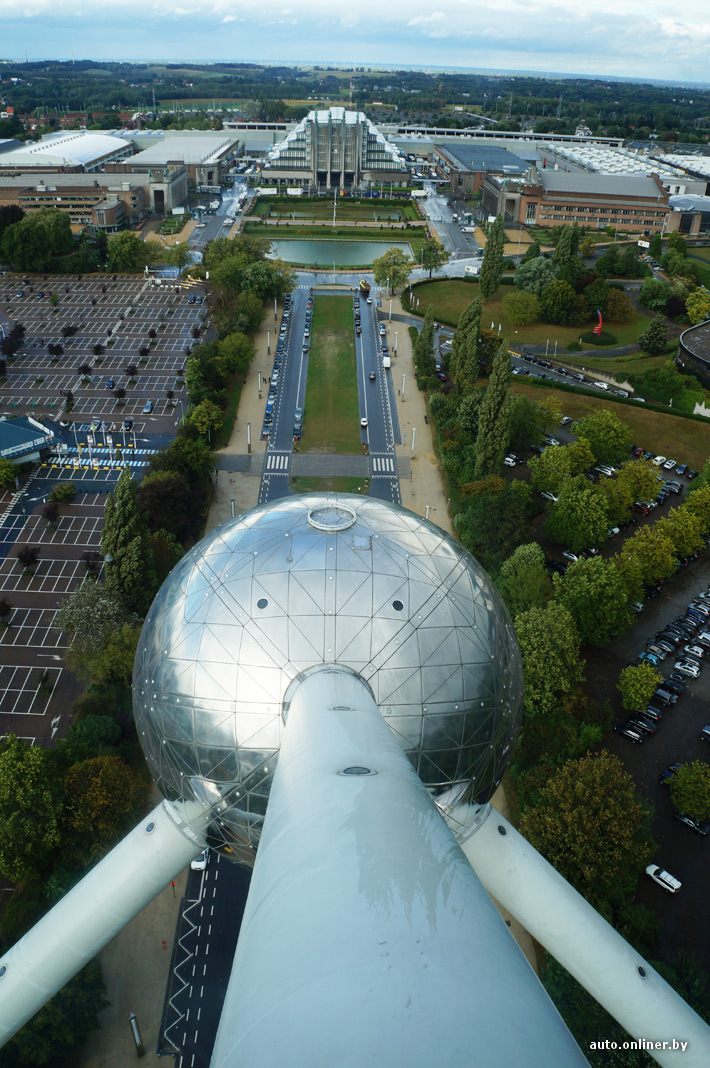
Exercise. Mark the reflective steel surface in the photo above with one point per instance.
(306, 581)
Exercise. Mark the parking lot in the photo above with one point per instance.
(119, 313)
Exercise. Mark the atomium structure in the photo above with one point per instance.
(304, 583)
(328, 689)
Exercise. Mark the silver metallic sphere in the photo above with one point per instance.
(312, 580)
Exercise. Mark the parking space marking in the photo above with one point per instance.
(27, 690)
(32, 627)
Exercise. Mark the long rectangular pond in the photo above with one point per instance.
(344, 253)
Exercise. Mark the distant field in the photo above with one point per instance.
(449, 299)
(686, 440)
(331, 414)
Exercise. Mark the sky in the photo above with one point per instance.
(630, 38)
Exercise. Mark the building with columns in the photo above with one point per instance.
(335, 149)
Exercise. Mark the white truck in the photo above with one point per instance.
(386, 362)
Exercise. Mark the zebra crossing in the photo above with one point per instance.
(105, 450)
(383, 465)
(278, 461)
(126, 460)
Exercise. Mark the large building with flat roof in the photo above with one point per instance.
(636, 203)
(207, 158)
(465, 166)
(73, 150)
(694, 352)
(334, 149)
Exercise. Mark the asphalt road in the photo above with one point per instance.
(203, 953)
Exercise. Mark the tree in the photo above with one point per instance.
(191, 459)
(685, 530)
(609, 438)
(595, 595)
(655, 250)
(559, 462)
(649, 555)
(206, 416)
(492, 525)
(531, 252)
(654, 294)
(569, 265)
(523, 581)
(30, 244)
(534, 276)
(493, 432)
(114, 662)
(88, 737)
(235, 354)
(433, 256)
(31, 805)
(654, 340)
(130, 571)
(469, 409)
(619, 308)
(697, 305)
(50, 511)
(128, 252)
(102, 796)
(5, 611)
(168, 502)
(589, 825)
(549, 646)
(559, 303)
(28, 555)
(424, 349)
(493, 263)
(392, 269)
(178, 255)
(62, 1025)
(521, 308)
(690, 790)
(89, 618)
(579, 517)
(637, 684)
(463, 364)
(8, 473)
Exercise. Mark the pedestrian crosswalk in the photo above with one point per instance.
(278, 461)
(105, 462)
(105, 450)
(383, 465)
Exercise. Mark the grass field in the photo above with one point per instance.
(686, 440)
(347, 210)
(618, 365)
(331, 414)
(449, 299)
(700, 251)
(337, 484)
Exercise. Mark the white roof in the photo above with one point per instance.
(192, 150)
(619, 161)
(75, 148)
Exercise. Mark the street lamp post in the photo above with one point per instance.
(395, 342)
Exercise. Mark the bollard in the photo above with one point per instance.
(135, 1031)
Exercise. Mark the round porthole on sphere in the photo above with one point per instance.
(262, 602)
(357, 770)
(398, 606)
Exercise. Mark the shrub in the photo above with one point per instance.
(590, 338)
(63, 492)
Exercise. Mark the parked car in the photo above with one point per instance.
(694, 650)
(691, 474)
(652, 713)
(669, 465)
(681, 469)
(650, 658)
(631, 733)
(640, 723)
(509, 461)
(663, 878)
(672, 686)
(664, 697)
(612, 531)
(702, 828)
(667, 774)
(705, 734)
(605, 469)
(148, 407)
(686, 667)
(550, 496)
(659, 460)
(641, 508)
(569, 555)
(549, 440)
(200, 861)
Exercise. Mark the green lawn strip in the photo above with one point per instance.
(331, 416)
(234, 393)
(337, 484)
(619, 366)
(450, 297)
(320, 208)
(685, 440)
(701, 252)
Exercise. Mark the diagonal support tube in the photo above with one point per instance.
(554, 913)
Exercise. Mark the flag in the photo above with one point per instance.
(598, 328)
